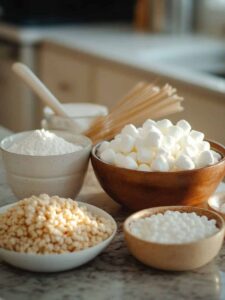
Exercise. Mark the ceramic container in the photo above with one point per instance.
(138, 189)
(61, 175)
(175, 257)
(82, 115)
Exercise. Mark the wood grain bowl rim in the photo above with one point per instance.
(213, 144)
(162, 209)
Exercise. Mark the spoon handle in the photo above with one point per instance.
(39, 88)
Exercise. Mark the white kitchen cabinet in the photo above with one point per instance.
(16, 101)
(75, 77)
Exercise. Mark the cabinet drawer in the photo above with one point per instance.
(65, 76)
(113, 84)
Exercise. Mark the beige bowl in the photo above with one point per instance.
(175, 257)
(61, 175)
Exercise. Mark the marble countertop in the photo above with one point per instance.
(170, 56)
(114, 274)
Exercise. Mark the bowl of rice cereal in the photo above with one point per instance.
(51, 234)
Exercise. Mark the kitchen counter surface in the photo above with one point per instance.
(169, 56)
(114, 274)
(185, 58)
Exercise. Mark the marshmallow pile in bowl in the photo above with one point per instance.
(159, 146)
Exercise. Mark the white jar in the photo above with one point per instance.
(82, 115)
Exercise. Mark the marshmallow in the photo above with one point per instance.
(144, 167)
(184, 125)
(104, 145)
(115, 144)
(133, 155)
(148, 124)
(184, 162)
(187, 141)
(108, 156)
(175, 131)
(131, 163)
(127, 162)
(151, 127)
(164, 124)
(139, 143)
(175, 150)
(197, 135)
(126, 143)
(168, 142)
(163, 151)
(160, 163)
(171, 161)
(118, 136)
(142, 132)
(190, 151)
(202, 146)
(131, 130)
(205, 159)
(119, 159)
(153, 139)
(144, 155)
(217, 157)
(158, 146)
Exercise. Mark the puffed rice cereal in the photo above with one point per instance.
(51, 225)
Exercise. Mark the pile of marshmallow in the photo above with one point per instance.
(158, 146)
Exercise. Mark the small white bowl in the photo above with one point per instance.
(82, 115)
(57, 262)
(61, 175)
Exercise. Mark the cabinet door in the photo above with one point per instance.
(67, 77)
(113, 84)
(16, 100)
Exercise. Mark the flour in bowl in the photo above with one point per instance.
(43, 143)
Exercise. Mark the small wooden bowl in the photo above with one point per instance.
(137, 190)
(175, 257)
(215, 201)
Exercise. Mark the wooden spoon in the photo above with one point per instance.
(39, 88)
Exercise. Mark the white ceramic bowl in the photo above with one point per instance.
(82, 115)
(61, 175)
(57, 262)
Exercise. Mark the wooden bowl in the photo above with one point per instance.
(215, 201)
(175, 257)
(137, 190)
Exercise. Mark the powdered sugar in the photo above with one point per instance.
(41, 143)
